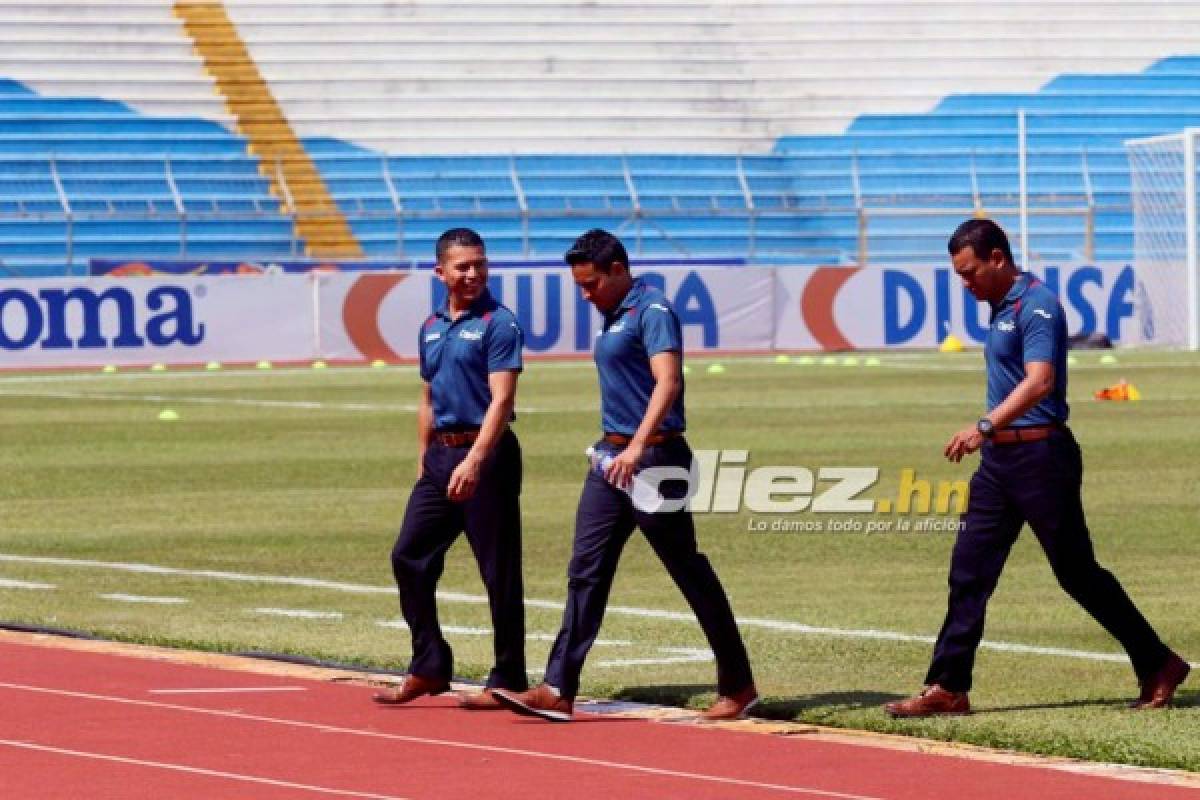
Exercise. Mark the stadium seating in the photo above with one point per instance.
(82, 176)
(788, 131)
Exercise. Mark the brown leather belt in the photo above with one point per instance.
(456, 438)
(621, 440)
(1033, 433)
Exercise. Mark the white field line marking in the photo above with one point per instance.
(298, 613)
(211, 773)
(183, 374)
(972, 360)
(305, 405)
(408, 408)
(550, 637)
(396, 737)
(138, 598)
(400, 624)
(8, 583)
(229, 690)
(779, 626)
(680, 655)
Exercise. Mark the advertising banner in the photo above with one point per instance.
(846, 308)
(46, 323)
(124, 268)
(73, 322)
(378, 315)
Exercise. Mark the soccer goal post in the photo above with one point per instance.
(1163, 192)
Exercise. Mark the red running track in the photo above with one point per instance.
(89, 724)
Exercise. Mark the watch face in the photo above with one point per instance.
(985, 427)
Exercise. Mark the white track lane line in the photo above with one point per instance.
(512, 751)
(775, 625)
(209, 773)
(229, 690)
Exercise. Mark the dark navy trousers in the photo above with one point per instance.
(604, 522)
(491, 519)
(1038, 483)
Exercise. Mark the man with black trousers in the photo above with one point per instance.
(639, 358)
(468, 475)
(1030, 471)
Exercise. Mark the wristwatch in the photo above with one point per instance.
(985, 428)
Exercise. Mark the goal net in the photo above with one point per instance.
(1163, 192)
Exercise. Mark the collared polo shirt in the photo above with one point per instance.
(1027, 325)
(457, 355)
(642, 326)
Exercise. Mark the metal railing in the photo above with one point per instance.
(639, 220)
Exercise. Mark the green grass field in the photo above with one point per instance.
(282, 491)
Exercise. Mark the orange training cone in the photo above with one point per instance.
(1122, 391)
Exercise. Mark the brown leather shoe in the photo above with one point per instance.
(414, 686)
(1159, 690)
(479, 701)
(933, 701)
(540, 701)
(733, 706)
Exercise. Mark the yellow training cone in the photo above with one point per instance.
(951, 344)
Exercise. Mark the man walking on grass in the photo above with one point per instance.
(1030, 471)
(468, 475)
(639, 358)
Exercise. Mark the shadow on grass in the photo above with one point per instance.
(1104, 702)
(782, 709)
(855, 700)
(680, 695)
(697, 695)
(1183, 699)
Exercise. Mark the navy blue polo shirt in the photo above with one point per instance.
(1027, 325)
(643, 325)
(457, 355)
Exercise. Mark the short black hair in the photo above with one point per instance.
(458, 237)
(982, 236)
(599, 248)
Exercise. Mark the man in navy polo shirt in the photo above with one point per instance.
(639, 358)
(1030, 471)
(468, 475)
